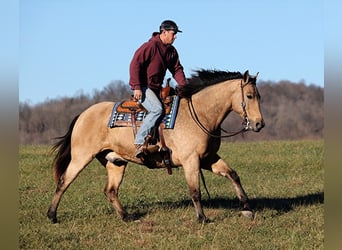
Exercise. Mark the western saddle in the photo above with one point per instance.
(133, 106)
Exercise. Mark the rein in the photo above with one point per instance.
(205, 130)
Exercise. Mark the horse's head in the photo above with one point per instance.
(247, 103)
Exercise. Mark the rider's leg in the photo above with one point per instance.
(154, 108)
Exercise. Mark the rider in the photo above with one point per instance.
(147, 72)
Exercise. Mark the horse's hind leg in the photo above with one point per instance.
(220, 167)
(72, 171)
(115, 175)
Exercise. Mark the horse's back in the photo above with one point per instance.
(100, 107)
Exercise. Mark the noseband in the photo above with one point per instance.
(245, 122)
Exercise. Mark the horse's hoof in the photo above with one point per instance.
(52, 217)
(207, 220)
(126, 218)
(248, 214)
(203, 219)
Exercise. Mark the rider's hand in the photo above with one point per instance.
(137, 94)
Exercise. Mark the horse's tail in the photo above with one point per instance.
(63, 155)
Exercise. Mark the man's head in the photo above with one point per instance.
(169, 25)
(168, 30)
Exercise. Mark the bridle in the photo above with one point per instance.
(245, 121)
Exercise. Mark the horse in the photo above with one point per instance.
(205, 101)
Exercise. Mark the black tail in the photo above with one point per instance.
(63, 155)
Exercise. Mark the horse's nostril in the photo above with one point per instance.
(260, 125)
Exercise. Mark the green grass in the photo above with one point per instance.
(284, 181)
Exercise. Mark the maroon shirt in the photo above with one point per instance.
(150, 62)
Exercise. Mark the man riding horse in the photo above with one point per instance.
(147, 72)
(205, 101)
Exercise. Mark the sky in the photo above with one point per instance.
(68, 47)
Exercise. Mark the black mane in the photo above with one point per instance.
(204, 78)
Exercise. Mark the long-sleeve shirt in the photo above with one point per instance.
(150, 62)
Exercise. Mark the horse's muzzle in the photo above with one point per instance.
(256, 126)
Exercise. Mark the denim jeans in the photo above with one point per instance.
(154, 108)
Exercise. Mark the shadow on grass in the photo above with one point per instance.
(281, 205)
(284, 205)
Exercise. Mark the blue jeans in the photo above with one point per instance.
(154, 108)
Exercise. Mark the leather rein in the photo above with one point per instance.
(228, 134)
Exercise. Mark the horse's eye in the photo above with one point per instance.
(249, 96)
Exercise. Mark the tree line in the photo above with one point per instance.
(292, 111)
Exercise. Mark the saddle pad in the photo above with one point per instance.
(118, 119)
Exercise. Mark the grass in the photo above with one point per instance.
(284, 181)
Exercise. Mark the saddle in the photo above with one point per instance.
(130, 113)
(133, 105)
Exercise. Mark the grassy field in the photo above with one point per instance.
(284, 181)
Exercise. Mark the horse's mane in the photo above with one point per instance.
(202, 78)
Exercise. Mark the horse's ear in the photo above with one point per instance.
(256, 76)
(246, 76)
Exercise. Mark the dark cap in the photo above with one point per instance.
(169, 25)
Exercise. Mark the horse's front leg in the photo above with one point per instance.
(220, 167)
(191, 171)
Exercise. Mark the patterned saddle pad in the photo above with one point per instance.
(124, 119)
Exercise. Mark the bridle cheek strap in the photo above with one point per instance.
(243, 105)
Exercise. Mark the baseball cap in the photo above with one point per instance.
(169, 25)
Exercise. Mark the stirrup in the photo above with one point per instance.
(139, 150)
(142, 150)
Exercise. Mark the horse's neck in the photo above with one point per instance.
(213, 104)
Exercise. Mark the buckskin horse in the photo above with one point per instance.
(205, 102)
